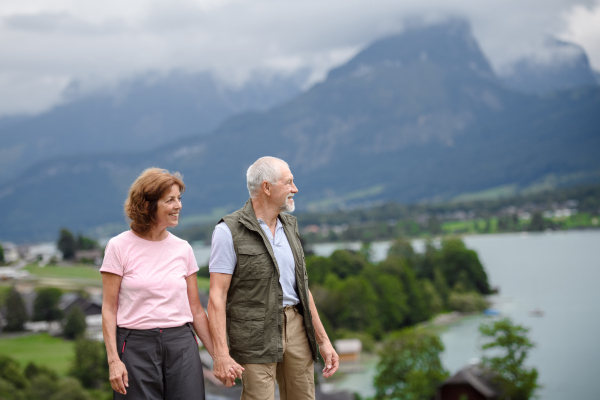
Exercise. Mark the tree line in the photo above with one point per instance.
(392, 219)
(69, 244)
(45, 308)
(356, 295)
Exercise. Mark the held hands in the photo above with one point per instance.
(118, 376)
(227, 370)
(332, 361)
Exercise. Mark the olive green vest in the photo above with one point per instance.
(255, 297)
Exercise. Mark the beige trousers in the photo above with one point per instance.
(294, 375)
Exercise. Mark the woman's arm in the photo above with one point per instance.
(111, 284)
(200, 321)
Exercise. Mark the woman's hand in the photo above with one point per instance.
(118, 376)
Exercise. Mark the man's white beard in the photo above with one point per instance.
(286, 207)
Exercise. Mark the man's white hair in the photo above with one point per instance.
(264, 169)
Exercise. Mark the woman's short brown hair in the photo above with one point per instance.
(144, 193)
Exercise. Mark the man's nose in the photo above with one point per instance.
(294, 188)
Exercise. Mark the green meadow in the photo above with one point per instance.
(64, 272)
(42, 349)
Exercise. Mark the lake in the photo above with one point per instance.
(558, 272)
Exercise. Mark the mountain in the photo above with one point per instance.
(564, 66)
(416, 116)
(138, 115)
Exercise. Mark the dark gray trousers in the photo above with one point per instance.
(162, 364)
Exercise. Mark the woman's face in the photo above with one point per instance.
(168, 207)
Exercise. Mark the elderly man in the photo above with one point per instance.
(262, 317)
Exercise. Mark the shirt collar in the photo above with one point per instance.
(278, 226)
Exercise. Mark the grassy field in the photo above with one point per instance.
(43, 349)
(470, 226)
(74, 272)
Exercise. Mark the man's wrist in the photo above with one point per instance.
(221, 355)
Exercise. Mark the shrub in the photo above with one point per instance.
(75, 326)
(467, 302)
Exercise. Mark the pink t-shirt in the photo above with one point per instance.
(153, 291)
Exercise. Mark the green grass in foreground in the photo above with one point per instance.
(42, 349)
(76, 271)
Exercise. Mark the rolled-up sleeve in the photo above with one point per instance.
(222, 253)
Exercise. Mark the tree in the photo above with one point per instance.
(410, 366)
(42, 387)
(434, 301)
(516, 381)
(43, 381)
(45, 305)
(1, 254)
(90, 365)
(8, 391)
(317, 269)
(440, 284)
(391, 303)
(538, 223)
(67, 244)
(415, 299)
(402, 248)
(460, 264)
(16, 314)
(351, 304)
(69, 389)
(32, 370)
(366, 250)
(85, 243)
(11, 373)
(75, 325)
(425, 264)
(346, 263)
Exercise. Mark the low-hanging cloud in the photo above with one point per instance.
(45, 45)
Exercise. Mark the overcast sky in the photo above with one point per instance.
(47, 44)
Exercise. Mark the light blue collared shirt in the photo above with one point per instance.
(223, 258)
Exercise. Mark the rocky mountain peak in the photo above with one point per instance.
(450, 44)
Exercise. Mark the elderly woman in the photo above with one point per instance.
(151, 307)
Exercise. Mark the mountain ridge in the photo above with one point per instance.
(137, 116)
(406, 130)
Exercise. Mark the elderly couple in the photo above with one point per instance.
(263, 325)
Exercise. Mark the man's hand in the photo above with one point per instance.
(118, 376)
(227, 370)
(332, 361)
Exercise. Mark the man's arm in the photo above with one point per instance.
(332, 361)
(224, 366)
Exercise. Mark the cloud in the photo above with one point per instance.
(583, 27)
(44, 45)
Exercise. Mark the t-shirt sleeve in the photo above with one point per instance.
(112, 259)
(192, 266)
(222, 253)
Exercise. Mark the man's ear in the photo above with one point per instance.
(266, 188)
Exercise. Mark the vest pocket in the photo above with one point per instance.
(254, 261)
(246, 328)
